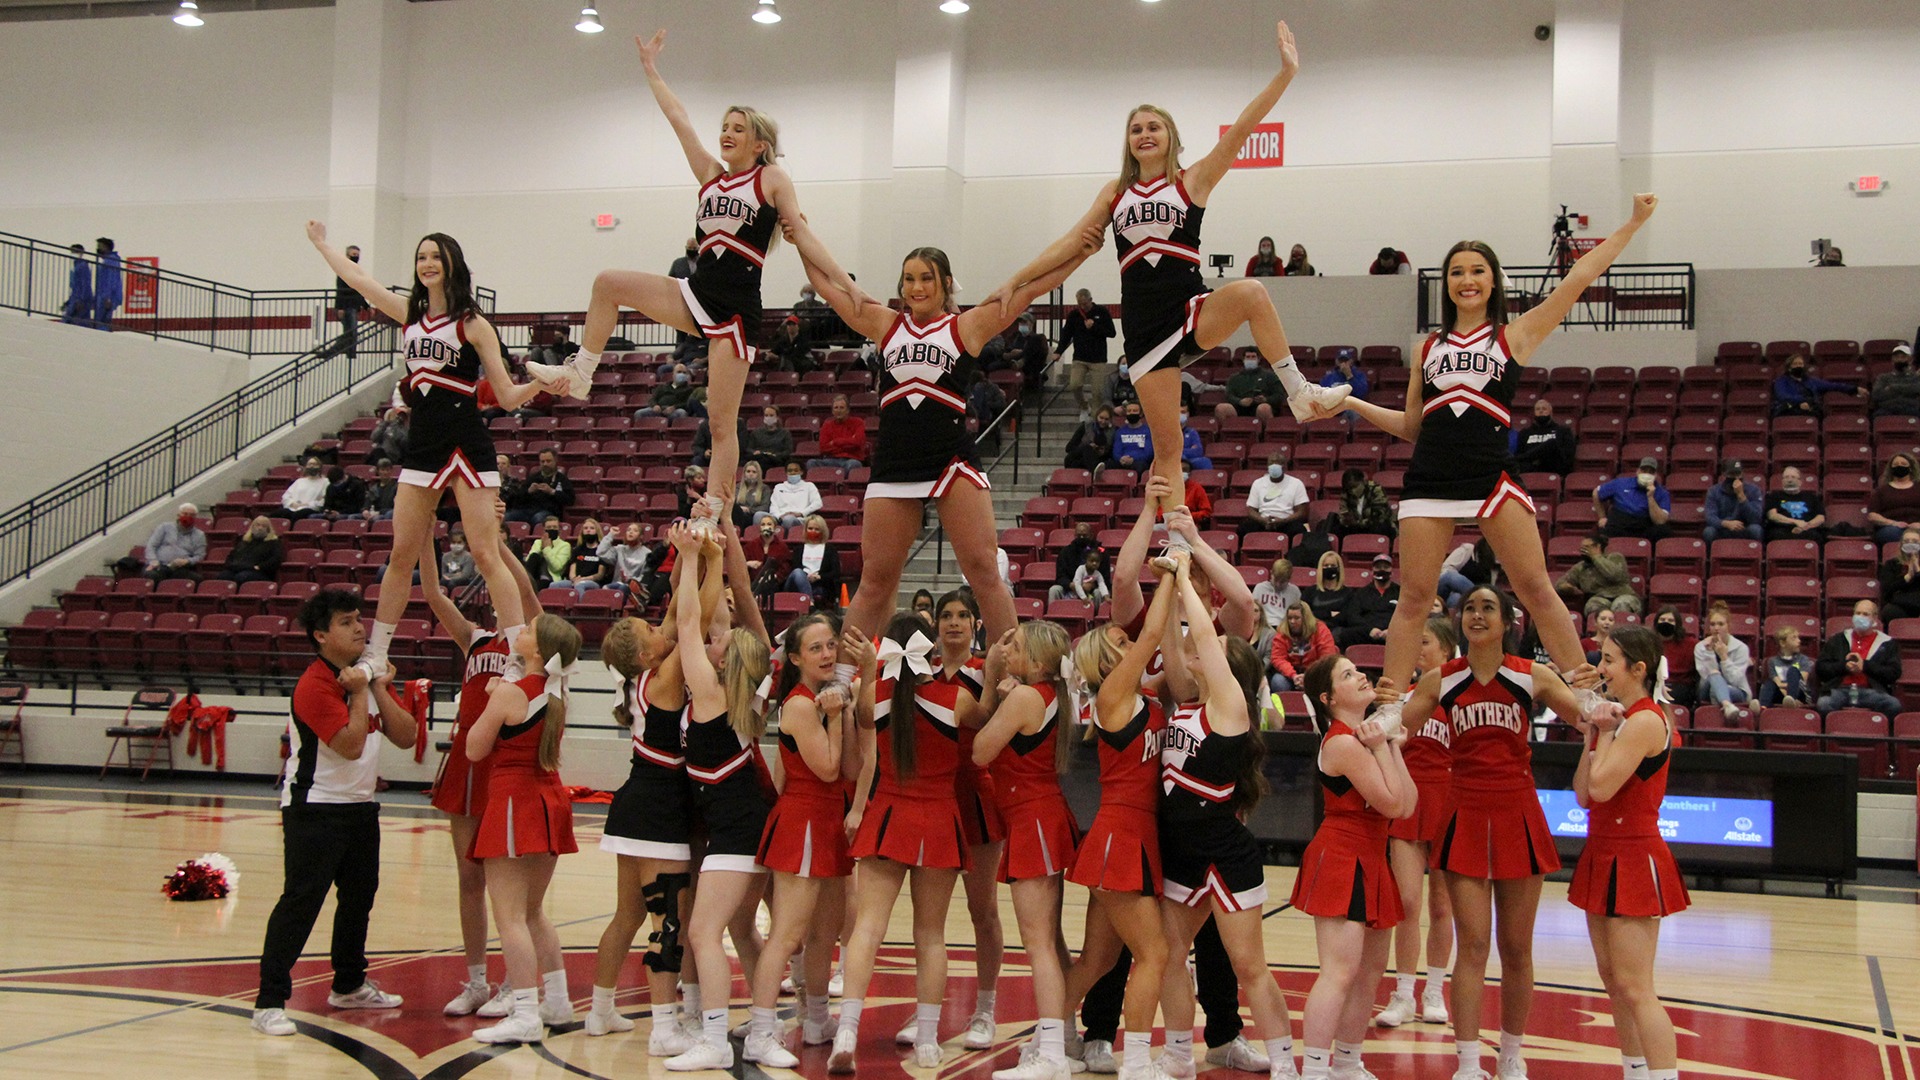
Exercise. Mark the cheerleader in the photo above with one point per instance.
(1626, 880)
(528, 824)
(908, 826)
(722, 735)
(450, 350)
(1410, 848)
(1026, 744)
(460, 791)
(924, 451)
(1344, 880)
(1496, 847)
(1210, 767)
(1119, 859)
(805, 842)
(741, 191)
(1459, 417)
(1168, 317)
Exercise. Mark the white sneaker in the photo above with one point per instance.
(1175, 1068)
(563, 380)
(691, 1023)
(555, 1013)
(788, 986)
(1361, 1073)
(766, 1050)
(273, 1022)
(909, 1035)
(1312, 403)
(1433, 1006)
(472, 996)
(1098, 1057)
(1284, 1070)
(705, 1054)
(499, 1005)
(1514, 1070)
(836, 984)
(1239, 1054)
(1032, 1067)
(812, 1034)
(741, 1030)
(514, 1029)
(841, 1058)
(981, 1032)
(607, 1023)
(1149, 1072)
(1471, 1074)
(1399, 1010)
(1076, 1046)
(667, 1040)
(926, 1056)
(369, 996)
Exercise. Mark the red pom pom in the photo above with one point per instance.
(210, 877)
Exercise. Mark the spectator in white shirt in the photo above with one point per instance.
(307, 495)
(1277, 502)
(795, 499)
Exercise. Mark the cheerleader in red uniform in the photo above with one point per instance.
(1344, 880)
(805, 842)
(1026, 743)
(909, 826)
(1626, 880)
(1495, 848)
(1119, 859)
(528, 824)
(1410, 850)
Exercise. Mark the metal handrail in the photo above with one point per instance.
(1628, 295)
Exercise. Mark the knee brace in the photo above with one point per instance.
(663, 899)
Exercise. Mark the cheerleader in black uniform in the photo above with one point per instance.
(528, 824)
(924, 451)
(722, 735)
(1458, 417)
(450, 349)
(1168, 317)
(741, 191)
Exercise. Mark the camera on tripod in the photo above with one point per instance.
(1220, 263)
(1563, 225)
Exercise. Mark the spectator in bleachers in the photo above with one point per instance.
(1797, 391)
(1794, 513)
(1897, 393)
(810, 307)
(1121, 390)
(985, 402)
(588, 570)
(511, 486)
(1276, 502)
(1192, 386)
(1858, 667)
(816, 567)
(627, 553)
(843, 439)
(106, 283)
(1090, 580)
(1028, 352)
(792, 346)
(1297, 264)
(1072, 556)
(769, 558)
(557, 350)
(389, 436)
(1364, 508)
(674, 398)
(1346, 371)
(1193, 452)
(1274, 596)
(1900, 578)
(79, 307)
(1894, 505)
(703, 438)
(1390, 260)
(1830, 257)
(770, 444)
(1637, 505)
(1297, 643)
(1004, 564)
(347, 301)
(307, 495)
(1329, 595)
(545, 494)
(1722, 660)
(1265, 261)
(457, 567)
(1733, 508)
(1598, 579)
(1090, 446)
(793, 501)
(380, 493)
(1132, 442)
(1364, 622)
(751, 497)
(1599, 631)
(1199, 503)
(1254, 390)
(346, 494)
(1788, 678)
(1466, 567)
(693, 488)
(1676, 652)
(1086, 330)
(257, 555)
(1544, 445)
(549, 556)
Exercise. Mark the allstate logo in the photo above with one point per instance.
(1577, 816)
(1744, 824)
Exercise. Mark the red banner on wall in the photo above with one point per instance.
(142, 288)
(1265, 148)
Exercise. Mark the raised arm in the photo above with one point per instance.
(1223, 690)
(1203, 174)
(704, 165)
(978, 325)
(1525, 333)
(745, 608)
(1132, 558)
(1097, 217)
(1238, 612)
(1111, 707)
(377, 296)
(703, 683)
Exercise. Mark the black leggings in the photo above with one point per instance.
(1219, 991)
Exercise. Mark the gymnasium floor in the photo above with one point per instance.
(102, 976)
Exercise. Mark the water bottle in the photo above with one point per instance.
(1853, 697)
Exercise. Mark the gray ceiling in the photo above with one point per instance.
(44, 10)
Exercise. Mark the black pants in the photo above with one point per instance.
(331, 846)
(1219, 991)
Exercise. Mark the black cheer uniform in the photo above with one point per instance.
(728, 794)
(923, 446)
(448, 438)
(1462, 467)
(732, 230)
(1156, 233)
(652, 813)
(1206, 851)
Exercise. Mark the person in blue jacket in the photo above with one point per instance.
(79, 307)
(106, 284)
(1733, 507)
(1797, 393)
(1346, 372)
(1133, 441)
(1192, 451)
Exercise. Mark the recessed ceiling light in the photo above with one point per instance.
(589, 21)
(189, 14)
(955, 7)
(766, 13)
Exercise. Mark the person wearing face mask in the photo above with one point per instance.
(257, 555)
(1733, 508)
(795, 499)
(587, 571)
(1900, 578)
(1364, 509)
(1254, 390)
(1599, 579)
(1894, 505)
(1793, 512)
(307, 495)
(1193, 453)
(1028, 352)
(1276, 502)
(456, 565)
(1637, 505)
(673, 397)
(693, 488)
(1265, 261)
(751, 498)
(1676, 651)
(1897, 393)
(1086, 330)
(1859, 666)
(1297, 264)
(1122, 390)
(1090, 446)
(816, 567)
(769, 558)
(549, 556)
(1329, 595)
(1797, 391)
(1346, 371)
(1544, 445)
(1133, 442)
(380, 493)
(770, 444)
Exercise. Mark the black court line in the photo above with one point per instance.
(1880, 1001)
(1276, 911)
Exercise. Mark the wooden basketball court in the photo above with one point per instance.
(100, 975)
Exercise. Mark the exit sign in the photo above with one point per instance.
(1265, 148)
(1868, 185)
(605, 221)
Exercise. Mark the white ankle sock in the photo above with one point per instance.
(1315, 1063)
(526, 1003)
(1180, 1045)
(850, 1009)
(1436, 978)
(1663, 1074)
(555, 985)
(603, 999)
(1346, 1057)
(713, 1025)
(1469, 1055)
(380, 639)
(1289, 373)
(983, 1002)
(817, 1009)
(587, 360)
(666, 1015)
(477, 974)
(760, 1021)
(1510, 1048)
(1403, 984)
(926, 1021)
(1136, 1050)
(1051, 1035)
(1280, 1052)
(690, 999)
(1633, 1068)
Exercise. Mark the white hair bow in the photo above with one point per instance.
(559, 675)
(915, 655)
(1076, 685)
(763, 693)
